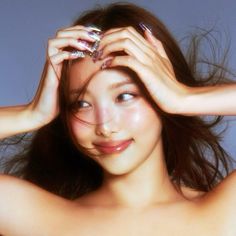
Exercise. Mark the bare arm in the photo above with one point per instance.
(222, 202)
(15, 120)
(26, 209)
(210, 100)
(157, 74)
(44, 107)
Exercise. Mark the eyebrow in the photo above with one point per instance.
(120, 84)
(111, 87)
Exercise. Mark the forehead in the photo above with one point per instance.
(87, 70)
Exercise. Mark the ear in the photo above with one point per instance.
(157, 44)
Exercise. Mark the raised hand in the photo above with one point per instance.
(44, 106)
(147, 57)
(45, 103)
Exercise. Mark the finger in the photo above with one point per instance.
(161, 51)
(127, 61)
(128, 46)
(61, 56)
(87, 28)
(128, 32)
(157, 44)
(130, 29)
(55, 45)
(56, 61)
(143, 72)
(139, 68)
(77, 34)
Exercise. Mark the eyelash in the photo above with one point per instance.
(77, 104)
(127, 93)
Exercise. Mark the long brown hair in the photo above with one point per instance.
(193, 154)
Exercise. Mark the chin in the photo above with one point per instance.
(121, 167)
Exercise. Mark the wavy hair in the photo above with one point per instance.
(192, 149)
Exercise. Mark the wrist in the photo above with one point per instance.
(33, 120)
(186, 101)
(15, 120)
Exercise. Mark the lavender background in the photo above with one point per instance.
(25, 26)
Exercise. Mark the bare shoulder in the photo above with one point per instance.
(221, 202)
(16, 188)
(225, 192)
(24, 206)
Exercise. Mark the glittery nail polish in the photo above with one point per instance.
(96, 55)
(145, 27)
(95, 46)
(94, 27)
(106, 63)
(85, 45)
(94, 35)
(77, 54)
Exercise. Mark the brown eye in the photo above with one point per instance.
(123, 97)
(79, 105)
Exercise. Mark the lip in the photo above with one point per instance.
(112, 146)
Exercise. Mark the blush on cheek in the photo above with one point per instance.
(80, 130)
(140, 117)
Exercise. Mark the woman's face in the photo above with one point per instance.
(112, 120)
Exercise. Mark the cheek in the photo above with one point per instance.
(136, 119)
(80, 130)
(140, 117)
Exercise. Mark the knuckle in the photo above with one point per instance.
(106, 49)
(126, 41)
(50, 41)
(129, 60)
(115, 60)
(130, 28)
(124, 32)
(108, 31)
(59, 32)
(65, 55)
(71, 41)
(152, 55)
(52, 59)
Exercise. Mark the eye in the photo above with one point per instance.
(124, 97)
(80, 105)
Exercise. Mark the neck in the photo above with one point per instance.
(149, 184)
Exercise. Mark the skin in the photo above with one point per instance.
(138, 175)
(137, 197)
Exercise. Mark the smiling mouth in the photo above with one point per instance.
(112, 147)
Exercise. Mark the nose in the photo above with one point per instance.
(106, 124)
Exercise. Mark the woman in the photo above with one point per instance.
(119, 148)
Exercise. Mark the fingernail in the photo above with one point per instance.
(94, 35)
(94, 27)
(95, 46)
(96, 55)
(85, 45)
(106, 64)
(145, 27)
(77, 54)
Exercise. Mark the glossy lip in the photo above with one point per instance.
(112, 146)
